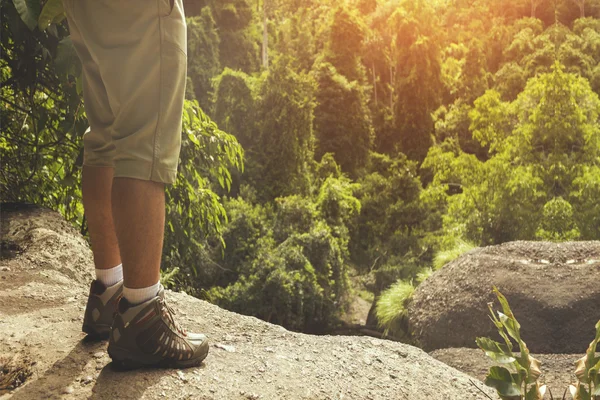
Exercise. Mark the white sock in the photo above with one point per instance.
(110, 276)
(139, 296)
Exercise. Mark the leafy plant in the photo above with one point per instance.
(42, 116)
(588, 373)
(194, 209)
(522, 383)
(52, 12)
(167, 278)
(34, 15)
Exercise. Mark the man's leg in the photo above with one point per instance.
(134, 60)
(138, 209)
(96, 186)
(144, 331)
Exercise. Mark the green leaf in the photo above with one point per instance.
(582, 393)
(533, 393)
(59, 18)
(595, 370)
(53, 31)
(193, 138)
(505, 306)
(517, 377)
(79, 85)
(28, 10)
(511, 325)
(496, 351)
(66, 60)
(500, 379)
(596, 341)
(52, 10)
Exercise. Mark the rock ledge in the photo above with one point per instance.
(44, 273)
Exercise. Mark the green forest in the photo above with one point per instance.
(334, 149)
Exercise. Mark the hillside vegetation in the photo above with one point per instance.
(328, 139)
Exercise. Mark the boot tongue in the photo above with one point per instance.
(124, 305)
(97, 287)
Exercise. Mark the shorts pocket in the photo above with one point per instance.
(165, 7)
(174, 27)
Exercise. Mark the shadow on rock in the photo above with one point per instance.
(60, 375)
(115, 384)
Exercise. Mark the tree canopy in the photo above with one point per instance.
(331, 142)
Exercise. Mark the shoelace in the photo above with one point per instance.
(169, 312)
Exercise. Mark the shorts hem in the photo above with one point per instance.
(144, 171)
(97, 163)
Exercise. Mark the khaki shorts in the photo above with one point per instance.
(133, 54)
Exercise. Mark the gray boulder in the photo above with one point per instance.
(553, 289)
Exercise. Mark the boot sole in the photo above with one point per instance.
(126, 361)
(99, 332)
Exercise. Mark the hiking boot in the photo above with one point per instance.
(146, 335)
(101, 308)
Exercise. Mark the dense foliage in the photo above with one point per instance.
(376, 134)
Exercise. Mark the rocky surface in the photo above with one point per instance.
(553, 289)
(44, 272)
